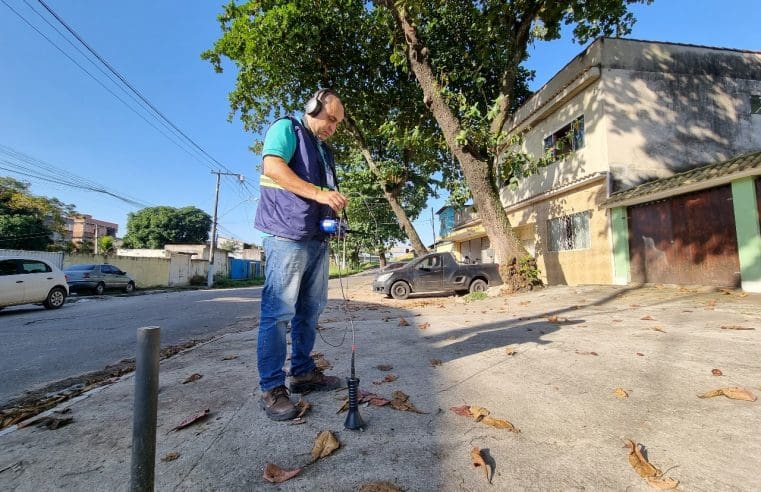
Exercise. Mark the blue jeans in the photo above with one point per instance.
(295, 290)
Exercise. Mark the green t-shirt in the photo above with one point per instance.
(280, 141)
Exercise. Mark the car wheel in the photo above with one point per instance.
(56, 298)
(400, 290)
(130, 288)
(478, 285)
(100, 289)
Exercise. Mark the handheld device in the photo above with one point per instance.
(334, 227)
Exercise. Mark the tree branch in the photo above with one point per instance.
(507, 83)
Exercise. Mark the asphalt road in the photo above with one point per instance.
(40, 346)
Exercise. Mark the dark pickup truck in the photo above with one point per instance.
(436, 272)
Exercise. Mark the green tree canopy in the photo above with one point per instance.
(284, 51)
(155, 227)
(467, 58)
(28, 221)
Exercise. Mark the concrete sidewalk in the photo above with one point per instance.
(571, 348)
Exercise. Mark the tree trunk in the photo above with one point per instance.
(396, 207)
(506, 245)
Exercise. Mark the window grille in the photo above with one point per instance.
(755, 104)
(566, 140)
(570, 232)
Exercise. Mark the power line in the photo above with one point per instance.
(175, 135)
(129, 85)
(22, 163)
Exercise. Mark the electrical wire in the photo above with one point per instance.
(176, 135)
(24, 165)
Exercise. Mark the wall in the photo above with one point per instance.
(54, 257)
(588, 266)
(670, 108)
(147, 272)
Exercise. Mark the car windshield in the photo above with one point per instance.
(75, 268)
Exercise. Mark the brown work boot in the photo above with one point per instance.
(277, 405)
(314, 381)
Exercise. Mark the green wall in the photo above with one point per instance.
(748, 233)
(620, 231)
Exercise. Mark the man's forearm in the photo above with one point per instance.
(278, 171)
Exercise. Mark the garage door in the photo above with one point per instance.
(688, 239)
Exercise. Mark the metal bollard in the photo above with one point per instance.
(145, 409)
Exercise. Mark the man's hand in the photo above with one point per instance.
(277, 169)
(333, 199)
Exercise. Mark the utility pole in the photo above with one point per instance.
(433, 229)
(212, 241)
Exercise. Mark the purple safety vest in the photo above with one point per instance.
(285, 214)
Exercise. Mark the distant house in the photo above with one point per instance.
(84, 228)
(640, 116)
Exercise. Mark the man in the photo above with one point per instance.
(298, 189)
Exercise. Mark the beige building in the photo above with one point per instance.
(621, 113)
(83, 228)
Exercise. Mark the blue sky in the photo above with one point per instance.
(54, 112)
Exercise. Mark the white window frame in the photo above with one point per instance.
(569, 232)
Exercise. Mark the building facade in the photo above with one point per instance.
(620, 114)
(84, 228)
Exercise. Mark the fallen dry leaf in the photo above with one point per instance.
(586, 353)
(193, 419)
(734, 393)
(379, 487)
(229, 357)
(403, 322)
(500, 424)
(384, 367)
(644, 468)
(556, 320)
(275, 474)
(621, 393)
(170, 456)
(640, 354)
(663, 483)
(647, 318)
(324, 445)
(436, 362)
(463, 411)
(717, 372)
(478, 461)
(424, 326)
(478, 413)
(483, 415)
(736, 327)
(303, 408)
(510, 351)
(390, 378)
(400, 401)
(658, 328)
(193, 377)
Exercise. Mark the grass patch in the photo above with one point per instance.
(335, 272)
(226, 283)
(475, 296)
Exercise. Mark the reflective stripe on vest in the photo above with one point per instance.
(270, 183)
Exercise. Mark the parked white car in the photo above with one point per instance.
(31, 281)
